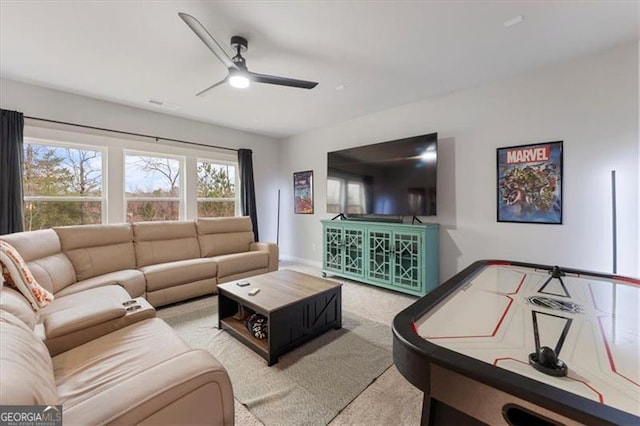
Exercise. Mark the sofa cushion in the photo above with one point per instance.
(224, 235)
(98, 311)
(16, 272)
(165, 241)
(42, 251)
(27, 372)
(182, 292)
(270, 248)
(109, 293)
(85, 371)
(54, 272)
(97, 249)
(237, 263)
(131, 280)
(15, 303)
(190, 389)
(175, 273)
(68, 321)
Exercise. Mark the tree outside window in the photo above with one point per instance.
(216, 189)
(62, 185)
(152, 188)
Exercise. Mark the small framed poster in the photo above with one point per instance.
(529, 187)
(303, 192)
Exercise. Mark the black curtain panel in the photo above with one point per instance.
(11, 164)
(247, 188)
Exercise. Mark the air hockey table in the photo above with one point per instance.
(516, 343)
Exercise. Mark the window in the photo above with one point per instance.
(66, 180)
(355, 197)
(345, 196)
(152, 187)
(216, 189)
(334, 195)
(63, 185)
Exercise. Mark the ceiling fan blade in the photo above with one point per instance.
(205, 91)
(208, 39)
(282, 81)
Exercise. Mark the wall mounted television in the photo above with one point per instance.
(395, 178)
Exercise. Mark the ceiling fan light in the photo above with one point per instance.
(239, 81)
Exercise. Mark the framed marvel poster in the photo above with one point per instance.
(530, 183)
(303, 192)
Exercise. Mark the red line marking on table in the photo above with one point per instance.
(612, 364)
(600, 397)
(504, 314)
(495, 330)
(519, 285)
(627, 280)
(498, 262)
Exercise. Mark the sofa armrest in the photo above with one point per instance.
(191, 388)
(270, 248)
(64, 342)
(80, 317)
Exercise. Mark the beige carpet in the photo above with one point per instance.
(388, 400)
(309, 385)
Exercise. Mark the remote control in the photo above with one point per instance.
(254, 291)
(242, 283)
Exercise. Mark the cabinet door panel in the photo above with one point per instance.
(353, 251)
(333, 254)
(407, 258)
(380, 241)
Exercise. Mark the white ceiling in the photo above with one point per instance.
(384, 53)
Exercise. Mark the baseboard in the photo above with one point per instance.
(303, 261)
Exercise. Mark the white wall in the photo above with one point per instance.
(591, 104)
(39, 102)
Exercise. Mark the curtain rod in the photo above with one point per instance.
(157, 138)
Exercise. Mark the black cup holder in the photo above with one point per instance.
(133, 308)
(129, 303)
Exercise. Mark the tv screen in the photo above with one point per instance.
(389, 178)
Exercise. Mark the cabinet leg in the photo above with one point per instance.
(324, 275)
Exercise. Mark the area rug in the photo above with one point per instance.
(309, 385)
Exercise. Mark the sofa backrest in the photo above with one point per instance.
(224, 235)
(12, 301)
(27, 369)
(42, 252)
(97, 249)
(164, 241)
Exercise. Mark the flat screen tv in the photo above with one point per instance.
(389, 178)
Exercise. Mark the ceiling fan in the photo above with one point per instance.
(239, 76)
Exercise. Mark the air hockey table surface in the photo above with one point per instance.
(483, 326)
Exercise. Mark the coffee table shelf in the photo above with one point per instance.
(238, 329)
(298, 307)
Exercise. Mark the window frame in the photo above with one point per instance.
(236, 182)
(103, 199)
(113, 148)
(181, 198)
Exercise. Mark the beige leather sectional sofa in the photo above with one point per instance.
(138, 372)
(97, 348)
(165, 262)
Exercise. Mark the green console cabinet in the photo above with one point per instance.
(396, 256)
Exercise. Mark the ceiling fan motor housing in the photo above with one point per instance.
(241, 43)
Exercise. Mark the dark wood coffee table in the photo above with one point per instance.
(298, 308)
